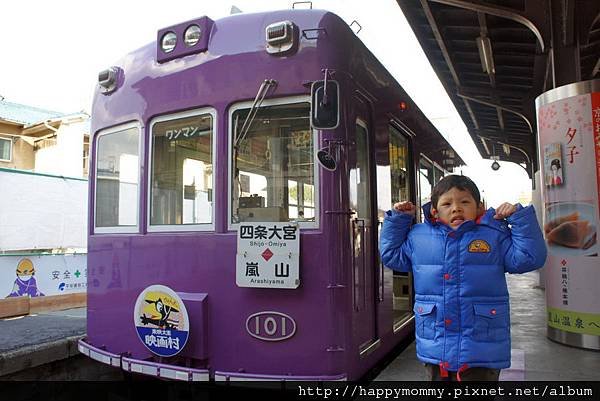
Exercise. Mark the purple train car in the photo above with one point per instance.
(240, 169)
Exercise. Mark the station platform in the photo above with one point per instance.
(43, 346)
(33, 340)
(31, 347)
(534, 356)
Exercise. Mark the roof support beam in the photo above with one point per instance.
(492, 9)
(500, 118)
(566, 65)
(596, 68)
(495, 92)
(487, 61)
(528, 164)
(440, 41)
(498, 106)
(485, 50)
(522, 138)
(587, 20)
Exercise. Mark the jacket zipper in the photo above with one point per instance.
(459, 304)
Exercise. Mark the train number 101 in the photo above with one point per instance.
(270, 326)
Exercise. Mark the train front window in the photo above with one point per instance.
(181, 184)
(273, 171)
(117, 180)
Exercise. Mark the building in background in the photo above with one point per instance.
(43, 141)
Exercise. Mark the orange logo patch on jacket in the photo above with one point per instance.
(479, 246)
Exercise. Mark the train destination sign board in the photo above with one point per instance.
(268, 255)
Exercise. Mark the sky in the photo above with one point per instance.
(52, 52)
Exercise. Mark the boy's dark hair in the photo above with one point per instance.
(461, 182)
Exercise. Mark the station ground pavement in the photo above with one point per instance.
(534, 356)
(38, 346)
(40, 340)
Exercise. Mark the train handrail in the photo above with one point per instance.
(301, 2)
(347, 212)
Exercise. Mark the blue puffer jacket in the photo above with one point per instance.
(462, 315)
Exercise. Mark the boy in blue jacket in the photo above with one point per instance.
(459, 258)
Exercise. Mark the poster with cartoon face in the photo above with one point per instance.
(25, 284)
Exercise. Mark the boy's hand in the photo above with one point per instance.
(504, 210)
(406, 207)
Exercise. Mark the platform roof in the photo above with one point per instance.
(530, 46)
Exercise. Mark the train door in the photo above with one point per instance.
(363, 252)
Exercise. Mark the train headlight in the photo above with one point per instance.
(168, 42)
(281, 37)
(192, 35)
(185, 39)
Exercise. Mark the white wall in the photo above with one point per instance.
(66, 157)
(42, 212)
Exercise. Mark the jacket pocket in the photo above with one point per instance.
(491, 322)
(425, 317)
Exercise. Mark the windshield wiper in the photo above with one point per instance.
(260, 96)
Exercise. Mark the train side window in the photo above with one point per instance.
(272, 164)
(181, 172)
(399, 166)
(400, 186)
(117, 180)
(426, 181)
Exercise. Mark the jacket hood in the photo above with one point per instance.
(426, 208)
(487, 218)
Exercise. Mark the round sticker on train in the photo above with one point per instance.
(161, 320)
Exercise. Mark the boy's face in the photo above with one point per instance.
(455, 207)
